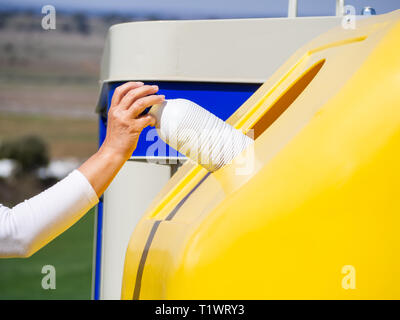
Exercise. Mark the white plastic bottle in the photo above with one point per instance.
(197, 133)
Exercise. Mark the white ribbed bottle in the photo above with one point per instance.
(197, 133)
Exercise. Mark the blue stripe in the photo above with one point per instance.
(99, 236)
(99, 223)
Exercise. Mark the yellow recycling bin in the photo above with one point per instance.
(316, 213)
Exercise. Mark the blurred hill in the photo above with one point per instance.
(49, 78)
(48, 89)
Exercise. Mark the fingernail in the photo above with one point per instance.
(139, 82)
(155, 87)
(162, 96)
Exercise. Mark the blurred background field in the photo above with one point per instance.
(70, 254)
(48, 89)
(49, 81)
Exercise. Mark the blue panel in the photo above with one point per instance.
(222, 99)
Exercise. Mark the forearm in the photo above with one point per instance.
(124, 125)
(33, 223)
(101, 168)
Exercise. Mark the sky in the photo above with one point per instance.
(188, 9)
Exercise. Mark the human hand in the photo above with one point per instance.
(124, 123)
(124, 126)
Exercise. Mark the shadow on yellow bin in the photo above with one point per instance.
(316, 215)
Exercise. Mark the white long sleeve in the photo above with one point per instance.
(33, 223)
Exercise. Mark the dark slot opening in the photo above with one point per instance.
(286, 99)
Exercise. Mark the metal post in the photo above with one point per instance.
(292, 10)
(339, 8)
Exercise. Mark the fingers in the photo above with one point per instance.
(146, 120)
(122, 90)
(137, 93)
(141, 104)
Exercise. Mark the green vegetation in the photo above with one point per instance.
(30, 152)
(70, 254)
(49, 89)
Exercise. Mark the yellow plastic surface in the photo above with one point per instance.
(318, 217)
